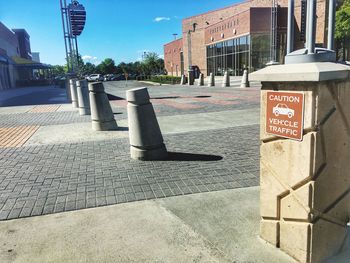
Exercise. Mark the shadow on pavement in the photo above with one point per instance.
(35, 97)
(112, 97)
(178, 97)
(176, 156)
(165, 98)
(123, 129)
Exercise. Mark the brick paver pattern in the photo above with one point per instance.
(47, 179)
(16, 136)
(44, 179)
(45, 108)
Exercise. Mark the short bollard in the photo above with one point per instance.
(146, 140)
(226, 80)
(67, 86)
(201, 80)
(73, 92)
(211, 80)
(101, 112)
(83, 97)
(183, 80)
(245, 81)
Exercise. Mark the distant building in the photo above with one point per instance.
(36, 57)
(237, 37)
(17, 67)
(24, 43)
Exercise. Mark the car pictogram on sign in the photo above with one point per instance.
(282, 109)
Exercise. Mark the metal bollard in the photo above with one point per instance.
(73, 92)
(146, 140)
(83, 97)
(102, 116)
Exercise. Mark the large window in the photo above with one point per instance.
(260, 51)
(231, 55)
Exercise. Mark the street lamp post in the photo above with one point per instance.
(189, 44)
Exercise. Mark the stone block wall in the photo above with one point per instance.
(305, 186)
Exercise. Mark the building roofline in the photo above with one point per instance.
(20, 30)
(172, 41)
(219, 9)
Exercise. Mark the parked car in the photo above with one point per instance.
(95, 77)
(110, 77)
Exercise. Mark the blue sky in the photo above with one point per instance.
(117, 29)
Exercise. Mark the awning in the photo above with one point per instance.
(28, 64)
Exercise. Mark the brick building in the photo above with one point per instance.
(16, 65)
(238, 36)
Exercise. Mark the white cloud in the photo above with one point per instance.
(161, 18)
(87, 57)
(91, 59)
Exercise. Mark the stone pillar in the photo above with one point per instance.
(245, 80)
(211, 82)
(201, 80)
(146, 140)
(226, 80)
(183, 80)
(73, 92)
(83, 97)
(305, 184)
(102, 116)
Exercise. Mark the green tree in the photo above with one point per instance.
(88, 69)
(342, 30)
(107, 67)
(58, 70)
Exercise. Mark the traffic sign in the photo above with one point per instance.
(285, 114)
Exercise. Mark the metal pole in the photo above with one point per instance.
(190, 71)
(189, 48)
(307, 23)
(331, 24)
(311, 17)
(64, 32)
(290, 32)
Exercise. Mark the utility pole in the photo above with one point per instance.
(189, 45)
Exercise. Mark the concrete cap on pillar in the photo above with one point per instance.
(138, 96)
(96, 87)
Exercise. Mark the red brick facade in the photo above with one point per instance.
(172, 57)
(252, 16)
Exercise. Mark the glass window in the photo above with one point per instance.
(230, 46)
(260, 51)
(230, 55)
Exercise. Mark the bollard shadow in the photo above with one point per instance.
(123, 128)
(112, 97)
(186, 157)
(166, 98)
(202, 97)
(178, 97)
(117, 113)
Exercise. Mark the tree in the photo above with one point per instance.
(152, 64)
(58, 70)
(88, 69)
(342, 29)
(107, 67)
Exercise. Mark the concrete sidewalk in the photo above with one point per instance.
(211, 227)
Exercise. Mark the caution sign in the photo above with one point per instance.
(285, 114)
